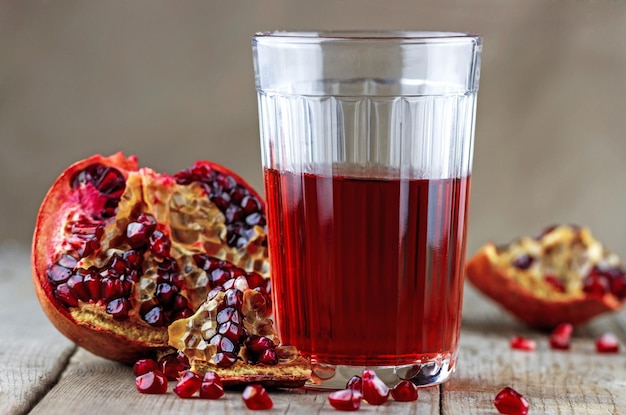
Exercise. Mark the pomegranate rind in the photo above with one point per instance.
(544, 313)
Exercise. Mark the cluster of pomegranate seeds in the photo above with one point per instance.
(241, 209)
(607, 343)
(510, 402)
(561, 337)
(223, 276)
(371, 388)
(255, 397)
(260, 349)
(601, 281)
(523, 343)
(345, 400)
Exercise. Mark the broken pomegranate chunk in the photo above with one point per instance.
(561, 337)
(404, 391)
(345, 400)
(564, 275)
(523, 343)
(116, 250)
(510, 402)
(607, 343)
(153, 382)
(374, 390)
(255, 397)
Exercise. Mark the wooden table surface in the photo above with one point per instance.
(43, 373)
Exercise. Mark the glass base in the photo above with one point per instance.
(423, 373)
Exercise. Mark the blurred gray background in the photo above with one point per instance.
(172, 82)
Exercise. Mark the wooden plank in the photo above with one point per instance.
(578, 381)
(32, 352)
(95, 385)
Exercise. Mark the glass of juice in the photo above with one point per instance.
(367, 142)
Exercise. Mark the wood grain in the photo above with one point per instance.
(43, 373)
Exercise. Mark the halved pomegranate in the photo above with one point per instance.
(564, 275)
(120, 252)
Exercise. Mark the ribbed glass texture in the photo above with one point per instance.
(406, 136)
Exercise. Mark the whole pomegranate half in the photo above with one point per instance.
(562, 275)
(120, 252)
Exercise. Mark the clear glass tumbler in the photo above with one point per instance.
(367, 142)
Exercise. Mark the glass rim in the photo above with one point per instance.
(404, 36)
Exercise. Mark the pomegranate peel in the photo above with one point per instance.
(548, 280)
(118, 250)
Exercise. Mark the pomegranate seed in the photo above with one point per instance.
(171, 365)
(523, 261)
(561, 336)
(404, 391)
(154, 317)
(188, 384)
(94, 286)
(258, 344)
(256, 398)
(268, 357)
(143, 366)
(212, 387)
(160, 244)
(153, 382)
(64, 294)
(118, 308)
(354, 383)
(522, 343)
(58, 274)
(225, 359)
(607, 343)
(374, 390)
(78, 287)
(510, 402)
(345, 400)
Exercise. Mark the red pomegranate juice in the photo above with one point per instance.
(367, 271)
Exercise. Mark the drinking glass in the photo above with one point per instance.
(367, 143)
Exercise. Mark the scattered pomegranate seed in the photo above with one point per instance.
(355, 383)
(143, 366)
(188, 384)
(561, 336)
(404, 391)
(173, 364)
(523, 343)
(212, 387)
(256, 398)
(374, 390)
(345, 400)
(607, 343)
(510, 402)
(153, 382)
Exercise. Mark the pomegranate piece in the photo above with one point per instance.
(510, 402)
(188, 384)
(111, 258)
(355, 383)
(374, 390)
(404, 391)
(255, 397)
(345, 400)
(153, 382)
(523, 343)
(561, 337)
(607, 343)
(143, 366)
(564, 275)
(211, 387)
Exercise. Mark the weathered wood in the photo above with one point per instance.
(32, 352)
(40, 369)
